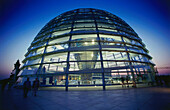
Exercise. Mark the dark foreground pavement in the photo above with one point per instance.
(153, 98)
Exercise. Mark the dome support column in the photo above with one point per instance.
(130, 63)
(68, 55)
(100, 52)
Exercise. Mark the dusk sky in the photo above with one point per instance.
(21, 20)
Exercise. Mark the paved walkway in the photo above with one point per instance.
(153, 98)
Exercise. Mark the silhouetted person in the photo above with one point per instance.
(94, 82)
(134, 84)
(78, 82)
(122, 79)
(26, 87)
(157, 80)
(127, 81)
(35, 86)
(112, 81)
(55, 82)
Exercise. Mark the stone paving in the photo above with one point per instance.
(152, 98)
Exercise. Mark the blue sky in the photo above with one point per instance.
(21, 20)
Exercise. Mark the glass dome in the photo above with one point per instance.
(87, 47)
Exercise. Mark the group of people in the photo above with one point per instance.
(127, 79)
(27, 86)
(127, 82)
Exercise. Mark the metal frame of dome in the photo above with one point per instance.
(87, 47)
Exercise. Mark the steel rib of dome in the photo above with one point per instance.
(85, 47)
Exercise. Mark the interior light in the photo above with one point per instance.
(92, 41)
(85, 43)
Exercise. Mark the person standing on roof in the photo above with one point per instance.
(26, 87)
(35, 86)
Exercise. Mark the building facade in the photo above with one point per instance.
(87, 47)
